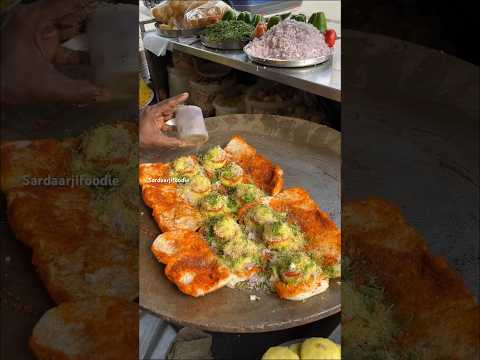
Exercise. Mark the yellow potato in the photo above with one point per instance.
(280, 353)
(295, 348)
(320, 349)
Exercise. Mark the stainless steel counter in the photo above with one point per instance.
(323, 80)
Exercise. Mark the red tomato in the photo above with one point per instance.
(261, 29)
(330, 37)
(291, 274)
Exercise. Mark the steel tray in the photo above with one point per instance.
(288, 63)
(224, 45)
(176, 33)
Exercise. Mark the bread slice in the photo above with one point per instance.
(198, 275)
(35, 213)
(27, 161)
(175, 244)
(170, 210)
(190, 264)
(147, 172)
(76, 256)
(438, 314)
(323, 236)
(99, 328)
(258, 169)
(378, 222)
(302, 291)
(97, 265)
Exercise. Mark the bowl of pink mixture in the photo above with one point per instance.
(290, 44)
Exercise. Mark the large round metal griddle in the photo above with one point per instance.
(412, 138)
(310, 157)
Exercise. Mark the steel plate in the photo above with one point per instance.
(310, 156)
(177, 32)
(224, 45)
(288, 63)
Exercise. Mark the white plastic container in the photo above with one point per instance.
(191, 125)
(112, 32)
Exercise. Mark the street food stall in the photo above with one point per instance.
(285, 103)
(175, 55)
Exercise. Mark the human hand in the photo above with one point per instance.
(31, 46)
(152, 123)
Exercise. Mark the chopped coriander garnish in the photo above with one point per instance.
(228, 30)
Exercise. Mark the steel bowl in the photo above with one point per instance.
(225, 44)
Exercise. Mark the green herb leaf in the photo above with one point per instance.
(228, 30)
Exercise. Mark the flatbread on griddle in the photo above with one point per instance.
(259, 170)
(190, 264)
(180, 243)
(438, 315)
(323, 236)
(302, 291)
(101, 265)
(149, 171)
(24, 160)
(170, 210)
(198, 275)
(76, 256)
(30, 211)
(94, 329)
